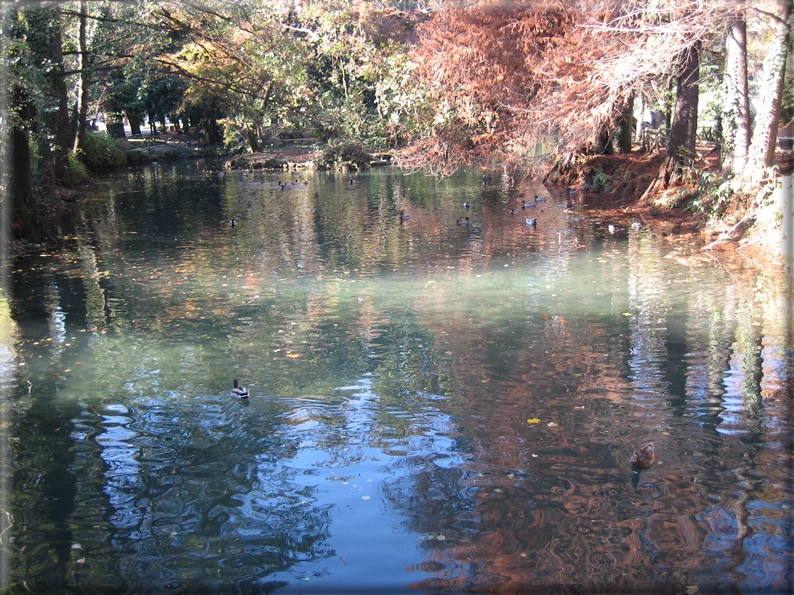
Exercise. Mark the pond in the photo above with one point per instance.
(436, 405)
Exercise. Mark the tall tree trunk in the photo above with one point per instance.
(736, 104)
(627, 125)
(62, 135)
(135, 123)
(114, 119)
(82, 110)
(762, 150)
(681, 145)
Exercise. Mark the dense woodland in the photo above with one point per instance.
(516, 86)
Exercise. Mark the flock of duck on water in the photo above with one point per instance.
(642, 458)
(402, 216)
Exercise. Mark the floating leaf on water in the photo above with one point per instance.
(691, 589)
(627, 314)
(77, 546)
(551, 424)
(533, 420)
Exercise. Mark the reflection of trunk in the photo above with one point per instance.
(681, 147)
(762, 149)
(736, 106)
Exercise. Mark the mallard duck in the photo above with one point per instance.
(570, 191)
(636, 225)
(642, 458)
(525, 204)
(539, 198)
(612, 229)
(532, 222)
(239, 391)
(466, 204)
(464, 221)
(404, 216)
(514, 211)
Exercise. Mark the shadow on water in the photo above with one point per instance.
(437, 405)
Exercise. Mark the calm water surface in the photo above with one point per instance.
(435, 407)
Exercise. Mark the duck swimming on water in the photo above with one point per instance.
(239, 391)
(532, 222)
(642, 458)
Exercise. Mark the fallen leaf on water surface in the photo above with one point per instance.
(533, 420)
(293, 355)
(551, 424)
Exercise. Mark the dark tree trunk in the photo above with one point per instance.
(604, 141)
(627, 125)
(24, 217)
(82, 110)
(135, 123)
(62, 133)
(114, 119)
(253, 141)
(681, 147)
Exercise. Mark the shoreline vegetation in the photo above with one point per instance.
(682, 112)
(609, 187)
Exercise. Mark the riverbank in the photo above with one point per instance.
(609, 188)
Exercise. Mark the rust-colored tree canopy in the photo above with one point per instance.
(511, 80)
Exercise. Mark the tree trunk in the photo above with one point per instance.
(24, 218)
(135, 123)
(681, 147)
(82, 110)
(114, 119)
(62, 134)
(627, 125)
(762, 150)
(736, 104)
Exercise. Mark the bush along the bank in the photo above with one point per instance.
(102, 152)
(77, 170)
(344, 155)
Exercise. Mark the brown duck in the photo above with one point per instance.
(642, 458)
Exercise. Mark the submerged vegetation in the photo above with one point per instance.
(536, 88)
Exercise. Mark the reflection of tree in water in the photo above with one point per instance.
(555, 507)
(157, 493)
